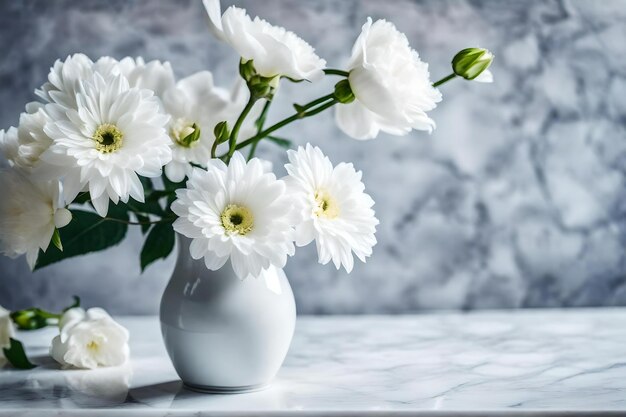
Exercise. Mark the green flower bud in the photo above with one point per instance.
(259, 86)
(190, 135)
(221, 131)
(343, 92)
(471, 62)
(29, 319)
(246, 69)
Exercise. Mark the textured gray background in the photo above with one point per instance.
(516, 200)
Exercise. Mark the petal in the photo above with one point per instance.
(356, 121)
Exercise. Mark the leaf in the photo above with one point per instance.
(87, 232)
(16, 356)
(145, 222)
(75, 304)
(147, 183)
(158, 244)
(282, 142)
(82, 198)
(56, 240)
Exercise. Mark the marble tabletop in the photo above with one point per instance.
(526, 363)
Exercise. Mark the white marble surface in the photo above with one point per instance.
(539, 362)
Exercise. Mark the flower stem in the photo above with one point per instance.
(330, 71)
(260, 122)
(444, 80)
(232, 142)
(299, 115)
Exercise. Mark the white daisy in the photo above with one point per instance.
(336, 212)
(114, 133)
(64, 80)
(29, 213)
(196, 106)
(238, 212)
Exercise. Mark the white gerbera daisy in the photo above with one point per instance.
(115, 133)
(29, 213)
(336, 212)
(196, 106)
(238, 212)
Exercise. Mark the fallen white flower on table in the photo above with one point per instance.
(336, 211)
(29, 214)
(273, 50)
(391, 85)
(238, 212)
(89, 339)
(6, 333)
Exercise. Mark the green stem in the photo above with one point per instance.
(444, 80)
(284, 122)
(341, 73)
(232, 142)
(316, 102)
(259, 126)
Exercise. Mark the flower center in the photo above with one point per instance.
(325, 205)
(93, 345)
(108, 138)
(237, 219)
(184, 133)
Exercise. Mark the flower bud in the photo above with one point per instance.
(189, 135)
(221, 131)
(471, 62)
(343, 92)
(29, 319)
(259, 86)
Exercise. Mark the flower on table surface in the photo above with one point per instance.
(473, 64)
(238, 212)
(29, 214)
(273, 50)
(90, 339)
(196, 105)
(334, 209)
(6, 333)
(116, 133)
(391, 85)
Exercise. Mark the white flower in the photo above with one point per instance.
(196, 105)
(391, 84)
(115, 133)
(273, 50)
(29, 213)
(23, 145)
(64, 80)
(155, 75)
(6, 333)
(89, 339)
(336, 212)
(238, 212)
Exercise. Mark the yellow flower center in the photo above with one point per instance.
(326, 205)
(184, 133)
(93, 345)
(237, 219)
(108, 138)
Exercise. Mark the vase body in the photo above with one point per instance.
(224, 334)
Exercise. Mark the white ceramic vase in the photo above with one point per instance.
(223, 334)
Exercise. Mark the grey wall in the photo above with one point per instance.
(516, 200)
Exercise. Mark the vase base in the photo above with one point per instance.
(210, 389)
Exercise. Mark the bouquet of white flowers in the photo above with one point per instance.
(114, 143)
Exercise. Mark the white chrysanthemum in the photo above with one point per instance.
(238, 212)
(155, 75)
(23, 145)
(29, 213)
(391, 84)
(89, 339)
(64, 80)
(336, 212)
(6, 333)
(116, 133)
(196, 106)
(273, 50)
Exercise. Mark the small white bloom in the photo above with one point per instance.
(89, 339)
(239, 212)
(29, 213)
(391, 84)
(273, 50)
(196, 105)
(115, 133)
(23, 145)
(336, 212)
(6, 333)
(155, 75)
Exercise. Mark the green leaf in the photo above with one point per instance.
(56, 240)
(16, 356)
(282, 142)
(145, 222)
(82, 198)
(158, 244)
(147, 183)
(87, 232)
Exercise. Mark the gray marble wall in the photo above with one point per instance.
(516, 200)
